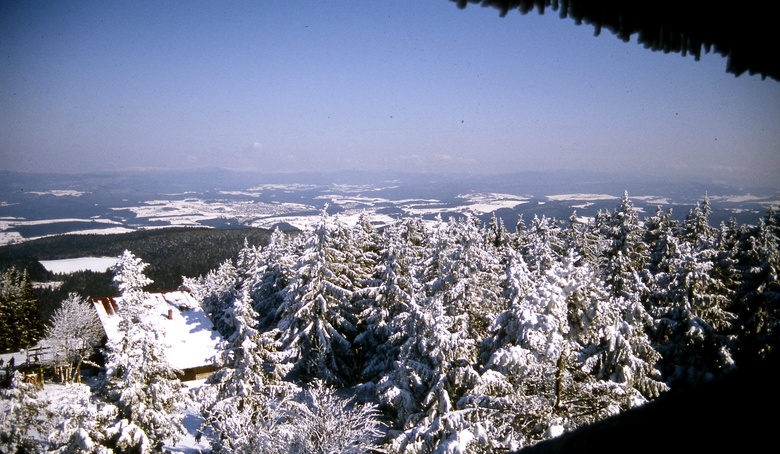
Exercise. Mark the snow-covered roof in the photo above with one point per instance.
(188, 335)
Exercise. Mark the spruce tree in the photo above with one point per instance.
(139, 379)
(692, 319)
(317, 317)
(19, 314)
(216, 292)
(758, 257)
(385, 303)
(571, 354)
(625, 253)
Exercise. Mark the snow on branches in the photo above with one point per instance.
(473, 338)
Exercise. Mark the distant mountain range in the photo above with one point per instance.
(36, 205)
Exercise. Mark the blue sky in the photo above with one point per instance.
(333, 85)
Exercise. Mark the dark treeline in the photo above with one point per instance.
(467, 333)
(171, 253)
(20, 324)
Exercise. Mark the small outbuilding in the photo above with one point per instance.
(190, 340)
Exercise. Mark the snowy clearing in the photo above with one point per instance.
(190, 212)
(653, 200)
(59, 193)
(8, 223)
(483, 203)
(65, 266)
(584, 197)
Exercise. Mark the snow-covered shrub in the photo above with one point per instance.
(80, 422)
(74, 332)
(280, 420)
(23, 418)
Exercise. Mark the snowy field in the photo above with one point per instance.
(23, 218)
(66, 266)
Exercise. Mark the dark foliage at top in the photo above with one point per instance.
(745, 35)
(20, 324)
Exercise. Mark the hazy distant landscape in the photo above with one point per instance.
(40, 205)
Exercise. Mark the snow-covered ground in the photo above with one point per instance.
(584, 197)
(489, 202)
(65, 266)
(59, 193)
(298, 204)
(192, 212)
(192, 421)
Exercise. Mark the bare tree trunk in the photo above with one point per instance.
(559, 378)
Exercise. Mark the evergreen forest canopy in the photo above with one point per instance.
(467, 335)
(454, 336)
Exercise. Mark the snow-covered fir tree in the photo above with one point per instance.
(624, 253)
(690, 308)
(758, 258)
(434, 369)
(323, 422)
(23, 423)
(565, 355)
(317, 319)
(216, 292)
(20, 322)
(286, 420)
(385, 301)
(267, 283)
(541, 244)
(696, 228)
(437, 356)
(139, 379)
(471, 338)
(582, 235)
(83, 424)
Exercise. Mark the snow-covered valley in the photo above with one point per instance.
(38, 207)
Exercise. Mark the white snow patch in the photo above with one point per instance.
(584, 197)
(354, 201)
(191, 212)
(482, 203)
(10, 238)
(59, 193)
(652, 200)
(351, 218)
(107, 231)
(284, 187)
(555, 431)
(7, 223)
(299, 222)
(765, 201)
(582, 206)
(65, 266)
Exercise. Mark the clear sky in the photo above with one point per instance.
(365, 85)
